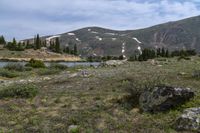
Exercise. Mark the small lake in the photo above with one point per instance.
(69, 64)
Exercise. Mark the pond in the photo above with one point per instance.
(69, 64)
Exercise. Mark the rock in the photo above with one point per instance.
(163, 98)
(113, 63)
(189, 120)
(196, 74)
(73, 129)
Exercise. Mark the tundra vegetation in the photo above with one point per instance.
(88, 99)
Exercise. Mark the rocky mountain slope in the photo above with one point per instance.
(183, 34)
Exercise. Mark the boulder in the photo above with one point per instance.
(113, 63)
(163, 98)
(73, 129)
(189, 120)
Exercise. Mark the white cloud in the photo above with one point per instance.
(29, 17)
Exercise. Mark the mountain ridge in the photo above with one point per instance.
(174, 35)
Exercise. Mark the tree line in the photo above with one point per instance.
(161, 52)
(38, 43)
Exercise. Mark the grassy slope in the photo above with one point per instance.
(36, 54)
(93, 102)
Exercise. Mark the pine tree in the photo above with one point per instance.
(37, 42)
(158, 52)
(67, 50)
(14, 41)
(57, 46)
(75, 50)
(163, 52)
(167, 53)
(2, 40)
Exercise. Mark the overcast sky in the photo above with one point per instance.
(25, 18)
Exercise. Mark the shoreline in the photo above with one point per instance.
(71, 59)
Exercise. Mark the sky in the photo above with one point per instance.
(24, 18)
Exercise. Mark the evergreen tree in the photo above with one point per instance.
(75, 50)
(37, 42)
(163, 52)
(2, 40)
(14, 41)
(67, 50)
(167, 53)
(158, 52)
(57, 46)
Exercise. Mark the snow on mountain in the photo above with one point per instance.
(140, 49)
(48, 40)
(112, 34)
(71, 34)
(134, 38)
(94, 32)
(99, 38)
(113, 39)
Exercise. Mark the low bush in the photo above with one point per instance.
(58, 66)
(135, 87)
(8, 74)
(19, 91)
(183, 58)
(36, 64)
(15, 66)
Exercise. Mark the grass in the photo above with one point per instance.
(45, 71)
(99, 103)
(19, 91)
(8, 74)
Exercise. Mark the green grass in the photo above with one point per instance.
(19, 91)
(100, 103)
(8, 74)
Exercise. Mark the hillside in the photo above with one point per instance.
(183, 34)
(42, 54)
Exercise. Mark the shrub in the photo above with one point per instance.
(184, 58)
(19, 91)
(135, 87)
(36, 64)
(58, 66)
(15, 66)
(8, 74)
(48, 71)
(196, 74)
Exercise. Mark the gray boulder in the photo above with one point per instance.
(189, 120)
(163, 98)
(113, 63)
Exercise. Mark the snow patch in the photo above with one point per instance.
(52, 37)
(99, 38)
(139, 49)
(134, 38)
(77, 39)
(89, 29)
(123, 48)
(94, 32)
(48, 40)
(112, 34)
(114, 39)
(71, 34)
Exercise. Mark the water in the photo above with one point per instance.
(69, 64)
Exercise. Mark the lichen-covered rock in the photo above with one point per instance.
(163, 98)
(113, 63)
(189, 120)
(73, 129)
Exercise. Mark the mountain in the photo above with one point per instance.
(183, 34)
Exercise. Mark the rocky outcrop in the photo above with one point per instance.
(163, 98)
(189, 120)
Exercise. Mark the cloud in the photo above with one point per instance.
(24, 18)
